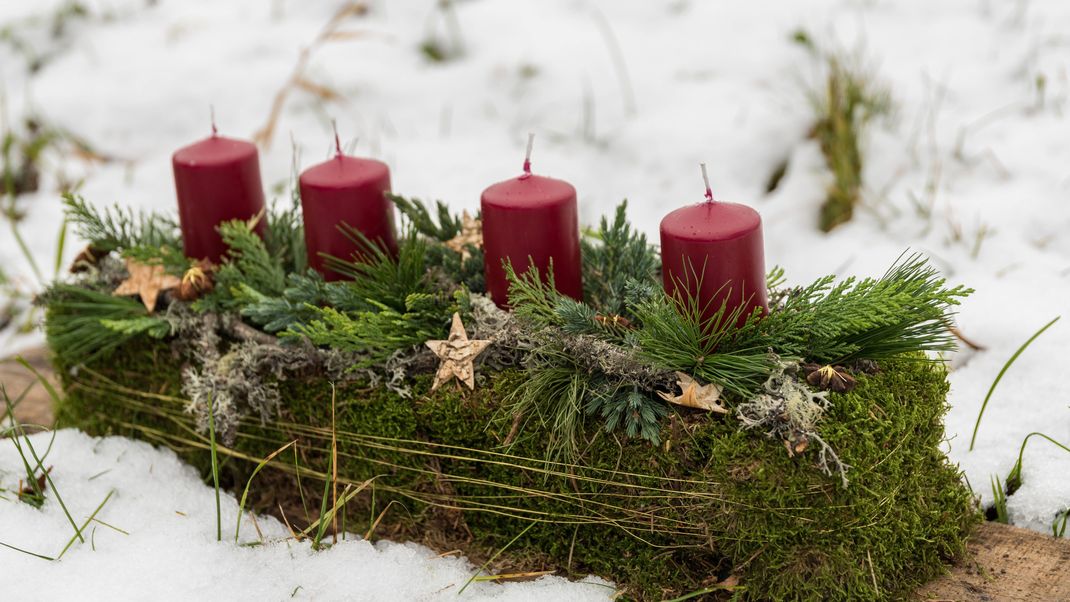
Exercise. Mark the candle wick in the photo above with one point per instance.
(211, 113)
(706, 180)
(527, 155)
(337, 140)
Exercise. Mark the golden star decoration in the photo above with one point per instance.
(694, 395)
(471, 234)
(457, 354)
(146, 281)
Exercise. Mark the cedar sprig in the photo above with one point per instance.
(906, 310)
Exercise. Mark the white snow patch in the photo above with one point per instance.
(171, 552)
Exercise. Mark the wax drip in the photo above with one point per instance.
(706, 180)
(211, 113)
(337, 140)
(527, 157)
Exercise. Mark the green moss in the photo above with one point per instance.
(748, 508)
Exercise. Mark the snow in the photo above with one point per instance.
(170, 550)
(972, 169)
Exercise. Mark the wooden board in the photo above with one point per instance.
(1004, 563)
(36, 406)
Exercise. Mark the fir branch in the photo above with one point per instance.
(117, 229)
(614, 256)
(637, 414)
(445, 227)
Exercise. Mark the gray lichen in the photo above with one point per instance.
(789, 410)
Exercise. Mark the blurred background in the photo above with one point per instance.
(858, 129)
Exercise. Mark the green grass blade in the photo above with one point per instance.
(78, 535)
(18, 549)
(494, 557)
(245, 492)
(215, 470)
(1006, 366)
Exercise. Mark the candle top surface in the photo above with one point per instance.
(343, 171)
(711, 220)
(214, 150)
(528, 191)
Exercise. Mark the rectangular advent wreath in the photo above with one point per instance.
(673, 420)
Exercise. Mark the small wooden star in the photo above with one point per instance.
(694, 395)
(457, 354)
(471, 234)
(146, 281)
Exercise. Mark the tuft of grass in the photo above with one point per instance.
(1002, 371)
(999, 502)
(1014, 477)
(248, 484)
(845, 106)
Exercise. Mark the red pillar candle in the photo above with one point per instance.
(345, 190)
(217, 180)
(531, 220)
(712, 252)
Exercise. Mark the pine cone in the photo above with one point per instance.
(196, 282)
(829, 378)
(86, 259)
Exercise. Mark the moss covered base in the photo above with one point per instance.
(661, 522)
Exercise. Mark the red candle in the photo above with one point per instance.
(217, 180)
(712, 252)
(531, 220)
(351, 191)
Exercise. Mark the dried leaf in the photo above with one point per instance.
(694, 395)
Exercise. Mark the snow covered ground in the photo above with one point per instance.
(169, 549)
(626, 98)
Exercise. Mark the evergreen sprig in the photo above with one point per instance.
(614, 256)
(118, 229)
(451, 267)
(906, 310)
(442, 227)
(87, 324)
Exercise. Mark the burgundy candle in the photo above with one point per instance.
(217, 180)
(351, 191)
(713, 253)
(531, 220)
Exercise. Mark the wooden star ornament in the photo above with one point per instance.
(146, 281)
(457, 354)
(694, 395)
(471, 234)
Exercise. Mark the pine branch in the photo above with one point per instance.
(87, 324)
(117, 229)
